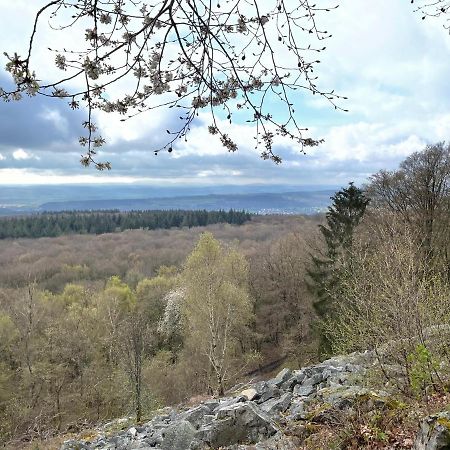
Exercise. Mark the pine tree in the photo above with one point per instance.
(343, 216)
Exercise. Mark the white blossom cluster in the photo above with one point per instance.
(191, 56)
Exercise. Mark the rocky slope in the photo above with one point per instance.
(276, 414)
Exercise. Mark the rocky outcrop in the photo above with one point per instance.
(434, 433)
(255, 416)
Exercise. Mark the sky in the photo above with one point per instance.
(393, 67)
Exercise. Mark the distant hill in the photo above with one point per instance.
(304, 202)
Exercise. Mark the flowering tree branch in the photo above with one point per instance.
(233, 58)
(435, 8)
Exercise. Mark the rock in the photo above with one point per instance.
(434, 433)
(242, 422)
(277, 405)
(266, 392)
(250, 393)
(180, 436)
(155, 439)
(211, 404)
(343, 397)
(278, 442)
(225, 402)
(297, 410)
(304, 391)
(297, 378)
(282, 376)
(195, 415)
(313, 380)
(141, 446)
(300, 401)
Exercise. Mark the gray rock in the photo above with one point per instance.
(242, 422)
(211, 404)
(141, 446)
(277, 405)
(304, 391)
(434, 433)
(266, 392)
(120, 441)
(313, 380)
(282, 376)
(194, 415)
(297, 378)
(277, 442)
(155, 439)
(297, 410)
(179, 436)
(208, 418)
(230, 401)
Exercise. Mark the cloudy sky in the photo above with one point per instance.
(393, 67)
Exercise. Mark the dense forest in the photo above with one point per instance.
(94, 327)
(48, 224)
(68, 305)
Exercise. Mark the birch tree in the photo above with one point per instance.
(217, 306)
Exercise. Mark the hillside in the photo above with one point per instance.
(327, 405)
(273, 203)
(261, 199)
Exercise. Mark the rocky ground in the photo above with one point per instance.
(281, 413)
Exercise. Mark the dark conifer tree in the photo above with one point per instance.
(343, 216)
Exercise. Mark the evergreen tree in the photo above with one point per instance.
(343, 216)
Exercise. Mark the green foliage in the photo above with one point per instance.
(217, 307)
(99, 222)
(343, 216)
(422, 367)
(325, 274)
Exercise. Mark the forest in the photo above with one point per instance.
(95, 327)
(48, 224)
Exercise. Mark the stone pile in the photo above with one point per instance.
(254, 415)
(259, 415)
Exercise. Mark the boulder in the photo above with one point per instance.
(228, 401)
(297, 377)
(434, 433)
(277, 442)
(250, 394)
(195, 415)
(266, 391)
(282, 376)
(239, 423)
(180, 435)
(304, 391)
(297, 410)
(211, 404)
(277, 405)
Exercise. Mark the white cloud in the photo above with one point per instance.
(20, 155)
(391, 65)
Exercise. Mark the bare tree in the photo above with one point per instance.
(392, 305)
(419, 193)
(434, 9)
(234, 57)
